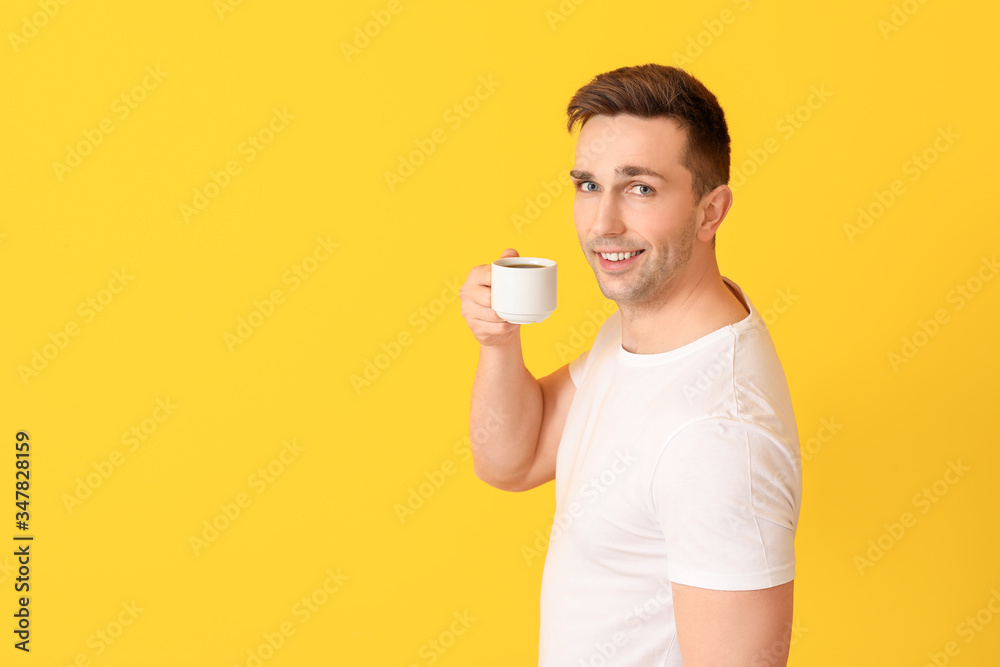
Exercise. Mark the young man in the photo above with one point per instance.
(672, 440)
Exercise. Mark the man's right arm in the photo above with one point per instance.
(515, 421)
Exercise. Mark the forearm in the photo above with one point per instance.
(505, 416)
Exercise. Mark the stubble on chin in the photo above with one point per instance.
(646, 291)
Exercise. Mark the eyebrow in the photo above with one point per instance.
(623, 171)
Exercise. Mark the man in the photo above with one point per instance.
(672, 440)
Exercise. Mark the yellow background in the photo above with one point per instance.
(837, 308)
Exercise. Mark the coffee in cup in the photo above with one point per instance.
(523, 289)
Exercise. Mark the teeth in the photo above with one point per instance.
(618, 256)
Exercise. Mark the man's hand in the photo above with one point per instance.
(486, 325)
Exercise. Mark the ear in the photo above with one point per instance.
(712, 211)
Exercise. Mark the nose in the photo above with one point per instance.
(607, 219)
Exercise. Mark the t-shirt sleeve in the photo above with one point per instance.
(576, 367)
(606, 335)
(726, 494)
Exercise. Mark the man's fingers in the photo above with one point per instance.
(483, 274)
(479, 311)
(476, 297)
(476, 293)
(495, 328)
(480, 275)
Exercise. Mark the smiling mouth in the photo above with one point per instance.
(619, 256)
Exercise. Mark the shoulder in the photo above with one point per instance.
(727, 437)
(607, 336)
(726, 495)
(715, 458)
(610, 331)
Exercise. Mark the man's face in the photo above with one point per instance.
(633, 195)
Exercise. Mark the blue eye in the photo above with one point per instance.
(640, 185)
(580, 184)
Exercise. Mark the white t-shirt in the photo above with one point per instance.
(679, 467)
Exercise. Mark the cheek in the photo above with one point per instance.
(582, 214)
(660, 223)
(664, 213)
(650, 217)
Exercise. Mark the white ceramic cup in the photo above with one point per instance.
(522, 295)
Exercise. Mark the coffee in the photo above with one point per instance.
(523, 297)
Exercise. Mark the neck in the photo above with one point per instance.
(694, 305)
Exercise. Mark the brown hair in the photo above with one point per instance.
(649, 91)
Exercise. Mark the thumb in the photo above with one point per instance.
(509, 252)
